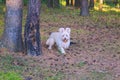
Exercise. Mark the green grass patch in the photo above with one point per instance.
(9, 63)
(10, 76)
(81, 64)
(98, 75)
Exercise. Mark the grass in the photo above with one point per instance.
(12, 67)
(70, 16)
(98, 75)
(58, 76)
(92, 76)
(10, 76)
(11, 64)
(10, 70)
(81, 64)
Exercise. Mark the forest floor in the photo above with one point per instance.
(94, 56)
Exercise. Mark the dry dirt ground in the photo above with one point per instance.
(95, 55)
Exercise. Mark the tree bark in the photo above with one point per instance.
(77, 3)
(12, 36)
(115, 2)
(91, 5)
(56, 3)
(67, 3)
(84, 11)
(50, 3)
(32, 28)
(53, 4)
(100, 5)
(72, 2)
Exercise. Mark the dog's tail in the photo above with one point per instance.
(72, 43)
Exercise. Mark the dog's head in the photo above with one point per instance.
(65, 34)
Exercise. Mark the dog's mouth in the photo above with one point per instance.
(65, 40)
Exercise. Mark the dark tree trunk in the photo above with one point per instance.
(77, 3)
(67, 3)
(56, 3)
(91, 5)
(32, 28)
(84, 11)
(12, 36)
(53, 4)
(72, 2)
(115, 2)
(50, 3)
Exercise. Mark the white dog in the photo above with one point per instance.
(61, 38)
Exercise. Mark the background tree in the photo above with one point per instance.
(12, 38)
(50, 3)
(72, 2)
(84, 11)
(91, 4)
(77, 3)
(32, 27)
(115, 2)
(56, 4)
(53, 3)
(67, 3)
(100, 5)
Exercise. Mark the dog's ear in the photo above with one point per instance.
(61, 30)
(68, 30)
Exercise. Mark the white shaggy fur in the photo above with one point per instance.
(61, 38)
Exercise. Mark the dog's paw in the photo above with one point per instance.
(61, 50)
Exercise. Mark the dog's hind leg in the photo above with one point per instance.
(50, 42)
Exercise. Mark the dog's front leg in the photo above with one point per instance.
(61, 50)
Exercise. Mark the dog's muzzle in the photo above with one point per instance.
(65, 40)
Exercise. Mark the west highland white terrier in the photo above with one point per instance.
(61, 38)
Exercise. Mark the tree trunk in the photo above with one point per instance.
(84, 11)
(32, 28)
(67, 3)
(115, 2)
(56, 3)
(12, 36)
(50, 3)
(91, 5)
(53, 4)
(72, 2)
(77, 3)
(100, 5)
